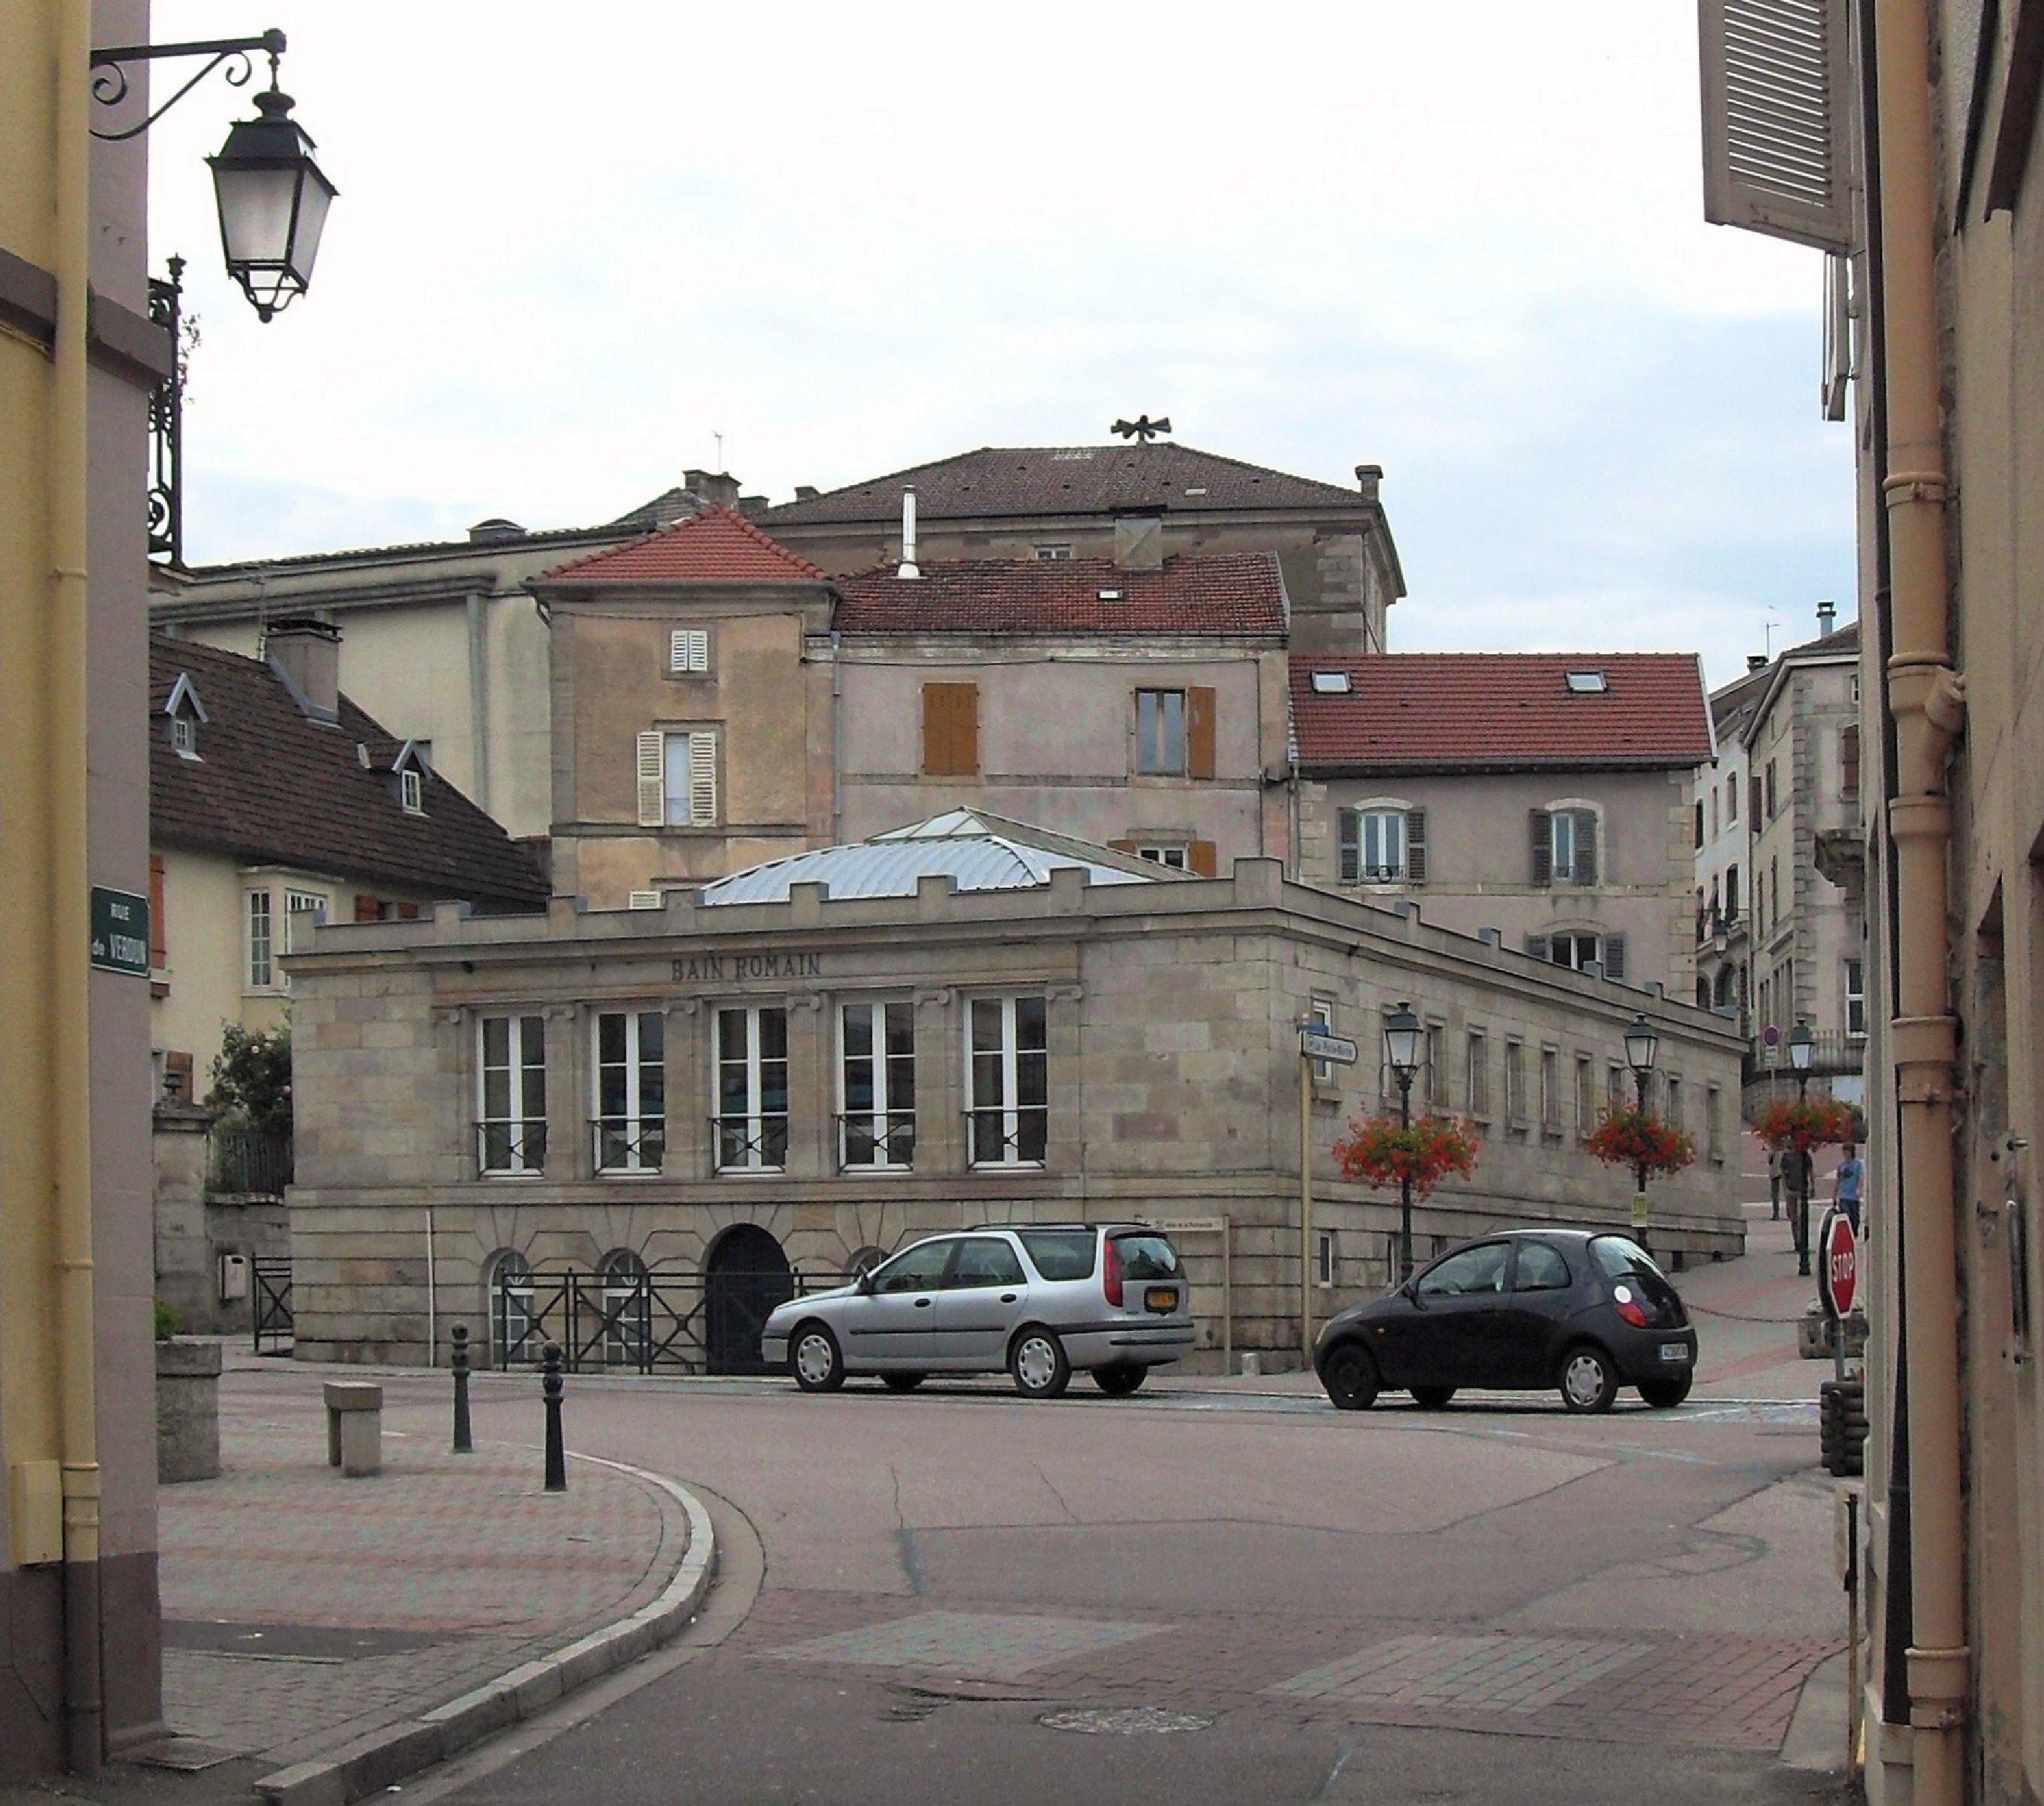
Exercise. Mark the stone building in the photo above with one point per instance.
(1720, 795)
(965, 1021)
(1544, 795)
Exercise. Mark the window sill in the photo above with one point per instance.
(752, 1172)
(859, 1170)
(493, 1175)
(628, 1173)
(1007, 1167)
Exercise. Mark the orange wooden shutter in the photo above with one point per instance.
(950, 730)
(407, 911)
(1121, 846)
(159, 934)
(1199, 733)
(367, 909)
(1200, 857)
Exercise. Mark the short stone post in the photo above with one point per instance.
(187, 1411)
(552, 1385)
(464, 1439)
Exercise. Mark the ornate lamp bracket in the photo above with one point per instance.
(110, 71)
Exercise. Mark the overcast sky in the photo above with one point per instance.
(1467, 243)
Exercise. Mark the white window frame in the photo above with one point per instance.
(886, 1109)
(752, 1156)
(688, 652)
(258, 918)
(412, 791)
(1053, 552)
(1323, 1258)
(1174, 855)
(522, 1159)
(1594, 936)
(1855, 999)
(1007, 1105)
(1387, 824)
(1163, 748)
(636, 1067)
(184, 736)
(693, 802)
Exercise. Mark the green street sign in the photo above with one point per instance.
(119, 932)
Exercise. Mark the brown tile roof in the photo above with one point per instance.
(717, 546)
(1068, 479)
(1237, 593)
(1414, 711)
(272, 786)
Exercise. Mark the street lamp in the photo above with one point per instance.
(272, 196)
(1403, 1037)
(1642, 1042)
(1802, 1044)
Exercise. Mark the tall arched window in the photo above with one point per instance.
(627, 1309)
(508, 1300)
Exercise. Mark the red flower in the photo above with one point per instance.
(1377, 1151)
(1800, 1127)
(1640, 1140)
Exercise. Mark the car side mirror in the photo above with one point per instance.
(1410, 1291)
(863, 1285)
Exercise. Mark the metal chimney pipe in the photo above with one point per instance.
(908, 565)
(1827, 618)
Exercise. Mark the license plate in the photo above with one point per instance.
(1161, 1298)
(1674, 1350)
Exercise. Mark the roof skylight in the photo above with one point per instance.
(1588, 683)
(1331, 683)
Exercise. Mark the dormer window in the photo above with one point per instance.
(1588, 683)
(412, 791)
(186, 712)
(1331, 683)
(184, 736)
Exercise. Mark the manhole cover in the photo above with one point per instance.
(1124, 1721)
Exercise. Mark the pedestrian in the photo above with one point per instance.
(1774, 1183)
(1845, 1183)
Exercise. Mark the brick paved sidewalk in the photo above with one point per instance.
(302, 1610)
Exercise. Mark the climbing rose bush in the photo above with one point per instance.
(1795, 1128)
(1377, 1151)
(1638, 1138)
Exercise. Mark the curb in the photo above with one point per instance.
(377, 1760)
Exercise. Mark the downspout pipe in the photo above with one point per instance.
(1925, 699)
(69, 1046)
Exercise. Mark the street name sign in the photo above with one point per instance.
(1188, 1225)
(1838, 1263)
(1316, 1044)
(119, 932)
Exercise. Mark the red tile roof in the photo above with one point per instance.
(1415, 711)
(717, 546)
(1239, 592)
(271, 786)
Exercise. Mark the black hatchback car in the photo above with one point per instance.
(1577, 1309)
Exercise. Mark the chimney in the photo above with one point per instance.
(908, 566)
(1139, 541)
(496, 528)
(306, 653)
(807, 492)
(1827, 619)
(717, 488)
(1756, 661)
(1367, 477)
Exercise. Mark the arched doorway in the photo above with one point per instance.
(627, 1309)
(744, 1277)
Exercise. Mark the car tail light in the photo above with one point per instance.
(1629, 1307)
(1111, 1274)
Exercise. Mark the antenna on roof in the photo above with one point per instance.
(908, 566)
(1142, 429)
(719, 438)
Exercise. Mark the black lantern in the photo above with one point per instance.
(1401, 1041)
(1802, 1043)
(273, 203)
(1643, 1042)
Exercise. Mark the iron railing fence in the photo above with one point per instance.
(243, 1159)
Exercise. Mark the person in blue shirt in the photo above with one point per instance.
(1845, 1183)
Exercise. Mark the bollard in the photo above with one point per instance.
(551, 1383)
(464, 1439)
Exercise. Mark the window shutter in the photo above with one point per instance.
(1777, 156)
(950, 730)
(367, 908)
(966, 731)
(1199, 733)
(677, 650)
(158, 932)
(1348, 831)
(688, 649)
(1416, 846)
(1537, 946)
(1203, 859)
(1849, 762)
(1613, 957)
(1121, 846)
(702, 779)
(407, 911)
(652, 789)
(1586, 847)
(1543, 847)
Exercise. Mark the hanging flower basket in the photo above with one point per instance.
(1640, 1140)
(1376, 1151)
(1799, 1128)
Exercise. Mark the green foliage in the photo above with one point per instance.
(168, 1322)
(252, 1077)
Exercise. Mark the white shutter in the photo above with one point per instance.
(652, 799)
(688, 649)
(1778, 117)
(644, 900)
(702, 779)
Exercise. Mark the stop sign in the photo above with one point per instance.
(1838, 1272)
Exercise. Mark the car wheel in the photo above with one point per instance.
(1120, 1380)
(1665, 1395)
(1037, 1364)
(1350, 1377)
(1432, 1398)
(902, 1382)
(814, 1360)
(1588, 1381)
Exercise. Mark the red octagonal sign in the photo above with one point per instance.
(1837, 1274)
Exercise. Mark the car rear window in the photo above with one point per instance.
(1619, 1255)
(1146, 1257)
(1060, 1254)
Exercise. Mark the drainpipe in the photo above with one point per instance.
(1925, 701)
(70, 1070)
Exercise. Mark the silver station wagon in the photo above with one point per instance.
(1039, 1301)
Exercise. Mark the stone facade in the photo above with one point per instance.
(1172, 1088)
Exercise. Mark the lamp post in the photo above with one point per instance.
(1802, 1044)
(1643, 1044)
(1402, 1040)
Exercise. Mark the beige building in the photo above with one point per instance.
(771, 1078)
(1543, 797)
(1937, 240)
(1720, 798)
